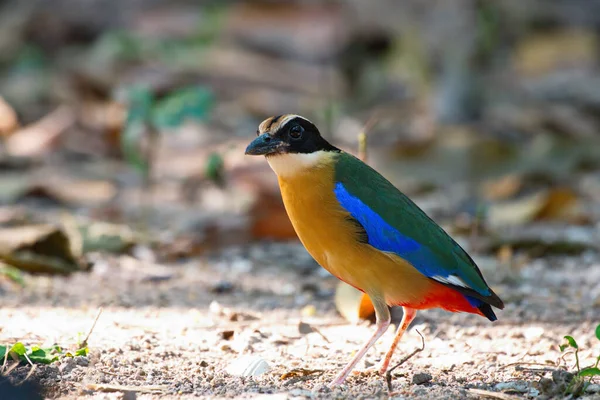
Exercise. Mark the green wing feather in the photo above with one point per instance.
(442, 255)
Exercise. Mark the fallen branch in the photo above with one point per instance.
(5, 360)
(125, 388)
(519, 363)
(85, 341)
(492, 395)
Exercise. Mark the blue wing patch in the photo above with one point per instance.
(385, 237)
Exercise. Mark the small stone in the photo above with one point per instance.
(322, 389)
(241, 266)
(514, 386)
(287, 289)
(66, 365)
(305, 394)
(559, 376)
(81, 361)
(129, 395)
(421, 378)
(248, 366)
(533, 332)
(222, 287)
(593, 388)
(227, 335)
(215, 308)
(547, 385)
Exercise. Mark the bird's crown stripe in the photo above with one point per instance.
(273, 124)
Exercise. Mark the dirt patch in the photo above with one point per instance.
(180, 333)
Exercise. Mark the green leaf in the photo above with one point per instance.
(189, 103)
(18, 348)
(82, 352)
(43, 356)
(598, 331)
(591, 371)
(138, 118)
(214, 168)
(36, 354)
(13, 274)
(572, 342)
(562, 347)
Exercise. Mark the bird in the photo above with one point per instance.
(366, 232)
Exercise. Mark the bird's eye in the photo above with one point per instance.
(257, 132)
(296, 132)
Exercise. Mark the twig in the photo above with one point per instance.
(109, 373)
(362, 136)
(388, 375)
(85, 341)
(362, 146)
(5, 359)
(11, 368)
(300, 375)
(536, 369)
(524, 363)
(28, 360)
(124, 388)
(320, 334)
(493, 395)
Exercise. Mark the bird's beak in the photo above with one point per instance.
(265, 144)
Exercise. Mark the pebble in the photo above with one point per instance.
(593, 388)
(66, 365)
(222, 287)
(305, 394)
(421, 378)
(248, 366)
(534, 332)
(81, 361)
(516, 386)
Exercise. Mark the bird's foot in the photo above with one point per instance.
(335, 383)
(338, 380)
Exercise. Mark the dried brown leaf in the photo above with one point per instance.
(352, 304)
(300, 372)
(8, 118)
(42, 136)
(38, 249)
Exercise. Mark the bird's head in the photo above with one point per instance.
(289, 142)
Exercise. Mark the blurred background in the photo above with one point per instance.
(123, 124)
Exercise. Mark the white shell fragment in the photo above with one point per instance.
(248, 366)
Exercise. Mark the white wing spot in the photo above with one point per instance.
(451, 279)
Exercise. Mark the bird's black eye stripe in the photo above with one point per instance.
(296, 132)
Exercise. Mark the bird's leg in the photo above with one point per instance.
(407, 318)
(382, 314)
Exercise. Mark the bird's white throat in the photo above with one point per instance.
(290, 164)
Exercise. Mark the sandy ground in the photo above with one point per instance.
(177, 328)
